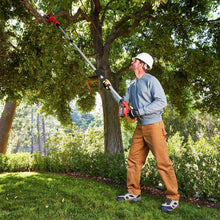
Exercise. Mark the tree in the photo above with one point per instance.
(110, 33)
(5, 125)
(8, 59)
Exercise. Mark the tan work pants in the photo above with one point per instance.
(150, 137)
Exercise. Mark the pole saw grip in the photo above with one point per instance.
(123, 111)
(50, 18)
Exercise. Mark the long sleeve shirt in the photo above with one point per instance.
(147, 96)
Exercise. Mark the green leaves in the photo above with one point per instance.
(45, 67)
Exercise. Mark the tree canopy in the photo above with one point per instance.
(39, 63)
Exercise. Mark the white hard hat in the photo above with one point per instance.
(146, 58)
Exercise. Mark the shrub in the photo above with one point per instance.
(111, 165)
(72, 160)
(149, 175)
(3, 162)
(198, 175)
(19, 162)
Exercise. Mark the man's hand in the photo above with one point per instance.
(133, 113)
(106, 83)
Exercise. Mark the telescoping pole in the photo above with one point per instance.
(106, 82)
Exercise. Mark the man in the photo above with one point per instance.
(147, 98)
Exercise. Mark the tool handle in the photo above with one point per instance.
(124, 110)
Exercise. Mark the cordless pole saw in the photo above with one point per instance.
(124, 108)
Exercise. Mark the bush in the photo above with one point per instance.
(19, 162)
(198, 175)
(111, 165)
(3, 162)
(72, 160)
(149, 175)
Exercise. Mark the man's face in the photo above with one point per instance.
(135, 64)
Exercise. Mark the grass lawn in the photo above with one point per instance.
(53, 196)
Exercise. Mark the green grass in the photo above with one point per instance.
(53, 196)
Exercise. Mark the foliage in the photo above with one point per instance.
(15, 162)
(19, 162)
(40, 64)
(21, 135)
(198, 175)
(89, 140)
(82, 120)
(188, 41)
(72, 160)
(89, 130)
(174, 35)
(3, 162)
(52, 196)
(94, 139)
(196, 124)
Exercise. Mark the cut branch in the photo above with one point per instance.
(91, 79)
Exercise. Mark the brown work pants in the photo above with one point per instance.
(151, 137)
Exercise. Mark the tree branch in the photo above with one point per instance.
(210, 21)
(71, 18)
(97, 5)
(138, 16)
(122, 29)
(74, 17)
(5, 55)
(33, 11)
(12, 45)
(105, 10)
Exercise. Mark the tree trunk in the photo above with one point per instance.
(17, 144)
(112, 129)
(44, 136)
(38, 133)
(209, 127)
(5, 124)
(32, 131)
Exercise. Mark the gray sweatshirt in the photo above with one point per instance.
(147, 96)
